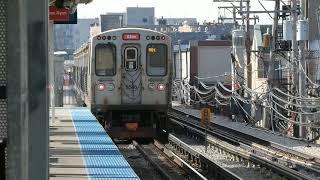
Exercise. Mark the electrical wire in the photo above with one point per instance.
(295, 97)
(296, 112)
(303, 70)
(210, 77)
(313, 125)
(293, 104)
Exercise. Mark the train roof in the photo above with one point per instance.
(83, 46)
(125, 29)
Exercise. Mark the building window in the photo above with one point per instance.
(144, 20)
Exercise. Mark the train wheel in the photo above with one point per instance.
(107, 120)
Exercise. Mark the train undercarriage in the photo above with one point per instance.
(131, 124)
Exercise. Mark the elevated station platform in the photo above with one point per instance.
(81, 149)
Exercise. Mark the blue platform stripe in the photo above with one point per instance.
(102, 157)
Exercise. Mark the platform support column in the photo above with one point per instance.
(27, 88)
(51, 70)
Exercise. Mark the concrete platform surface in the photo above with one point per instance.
(80, 148)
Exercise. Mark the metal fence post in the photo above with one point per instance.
(3, 145)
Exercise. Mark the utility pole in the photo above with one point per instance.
(246, 18)
(180, 59)
(302, 67)
(255, 18)
(272, 47)
(248, 44)
(273, 41)
(294, 45)
(234, 16)
(312, 6)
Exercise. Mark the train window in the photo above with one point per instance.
(131, 54)
(157, 57)
(105, 60)
(131, 59)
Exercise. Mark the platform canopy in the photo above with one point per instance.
(72, 1)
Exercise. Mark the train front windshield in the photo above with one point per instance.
(105, 60)
(157, 56)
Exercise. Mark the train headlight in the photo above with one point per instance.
(151, 86)
(161, 87)
(101, 87)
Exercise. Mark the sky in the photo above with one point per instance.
(200, 9)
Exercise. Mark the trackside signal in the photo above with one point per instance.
(205, 117)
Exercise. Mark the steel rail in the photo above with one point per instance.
(158, 168)
(219, 171)
(238, 140)
(180, 162)
(246, 138)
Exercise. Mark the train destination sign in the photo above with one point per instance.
(131, 36)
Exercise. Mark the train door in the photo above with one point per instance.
(131, 86)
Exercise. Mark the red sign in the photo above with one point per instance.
(131, 36)
(58, 14)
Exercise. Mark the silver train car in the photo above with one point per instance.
(124, 77)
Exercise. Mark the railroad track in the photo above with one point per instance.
(208, 168)
(155, 161)
(276, 158)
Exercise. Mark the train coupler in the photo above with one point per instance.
(133, 126)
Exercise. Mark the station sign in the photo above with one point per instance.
(62, 15)
(58, 14)
(205, 117)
